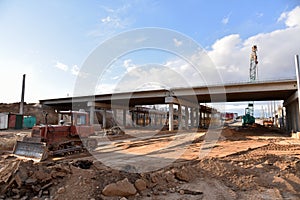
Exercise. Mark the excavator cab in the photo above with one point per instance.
(248, 118)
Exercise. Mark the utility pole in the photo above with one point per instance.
(22, 96)
(253, 64)
(298, 81)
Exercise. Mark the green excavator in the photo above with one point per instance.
(248, 118)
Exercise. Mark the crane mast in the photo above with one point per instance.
(253, 64)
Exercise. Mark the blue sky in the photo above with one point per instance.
(50, 40)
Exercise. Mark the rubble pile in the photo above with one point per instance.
(25, 179)
(21, 179)
(114, 183)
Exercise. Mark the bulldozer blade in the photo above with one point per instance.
(31, 150)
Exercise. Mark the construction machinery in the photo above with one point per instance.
(268, 122)
(253, 64)
(69, 136)
(248, 118)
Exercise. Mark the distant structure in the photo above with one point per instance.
(253, 64)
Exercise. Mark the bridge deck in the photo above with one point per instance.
(249, 91)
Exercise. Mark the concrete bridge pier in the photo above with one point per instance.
(171, 115)
(186, 109)
(179, 117)
(292, 116)
(292, 104)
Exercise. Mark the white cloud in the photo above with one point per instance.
(173, 73)
(61, 66)
(225, 20)
(106, 20)
(150, 77)
(116, 77)
(104, 88)
(226, 43)
(276, 52)
(177, 43)
(189, 73)
(233, 68)
(113, 21)
(259, 15)
(75, 70)
(129, 65)
(291, 18)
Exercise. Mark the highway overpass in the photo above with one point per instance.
(285, 90)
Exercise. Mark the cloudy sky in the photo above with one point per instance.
(50, 41)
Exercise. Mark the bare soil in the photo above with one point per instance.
(245, 163)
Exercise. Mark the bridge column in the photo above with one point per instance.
(287, 120)
(298, 89)
(150, 118)
(205, 119)
(296, 117)
(292, 117)
(200, 117)
(282, 118)
(171, 113)
(114, 111)
(124, 117)
(160, 119)
(186, 109)
(197, 117)
(104, 118)
(92, 112)
(179, 117)
(192, 117)
(292, 110)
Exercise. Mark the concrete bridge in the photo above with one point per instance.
(190, 99)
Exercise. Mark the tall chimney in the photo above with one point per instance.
(22, 96)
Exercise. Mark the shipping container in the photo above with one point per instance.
(3, 121)
(29, 121)
(15, 121)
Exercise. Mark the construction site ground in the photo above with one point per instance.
(233, 162)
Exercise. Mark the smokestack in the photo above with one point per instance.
(22, 96)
